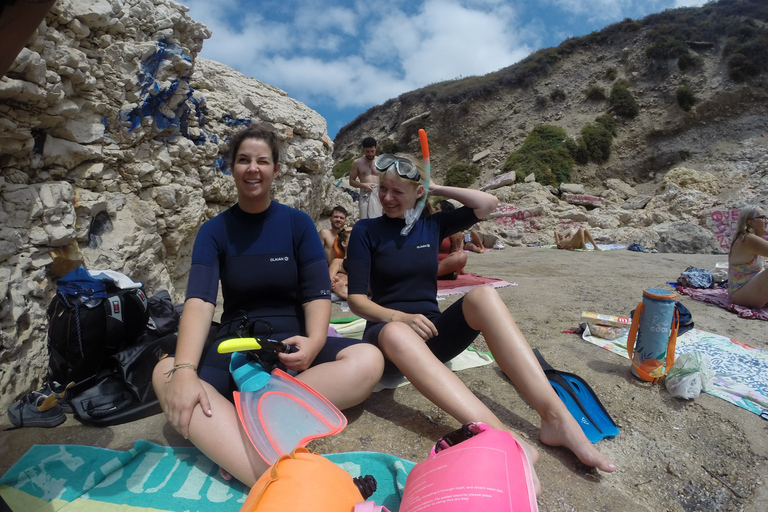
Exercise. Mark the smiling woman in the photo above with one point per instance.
(274, 278)
(404, 320)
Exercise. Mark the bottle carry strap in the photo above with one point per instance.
(669, 359)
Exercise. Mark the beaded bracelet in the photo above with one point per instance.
(179, 367)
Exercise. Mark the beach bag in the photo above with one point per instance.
(89, 320)
(653, 334)
(307, 481)
(121, 391)
(473, 468)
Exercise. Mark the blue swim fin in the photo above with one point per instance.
(581, 401)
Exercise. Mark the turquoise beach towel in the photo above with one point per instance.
(155, 478)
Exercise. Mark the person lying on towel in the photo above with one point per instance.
(575, 240)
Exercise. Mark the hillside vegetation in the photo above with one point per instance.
(629, 101)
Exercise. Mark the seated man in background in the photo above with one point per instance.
(329, 236)
(479, 242)
(336, 270)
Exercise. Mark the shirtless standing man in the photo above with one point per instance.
(365, 176)
(329, 236)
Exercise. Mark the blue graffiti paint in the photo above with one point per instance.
(154, 99)
(239, 121)
(221, 165)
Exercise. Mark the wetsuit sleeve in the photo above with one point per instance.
(456, 220)
(358, 260)
(203, 282)
(314, 280)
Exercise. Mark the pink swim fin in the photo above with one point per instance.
(286, 413)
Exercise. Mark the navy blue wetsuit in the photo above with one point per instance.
(269, 264)
(402, 274)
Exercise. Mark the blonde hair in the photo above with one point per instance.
(742, 228)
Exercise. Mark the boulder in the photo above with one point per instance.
(623, 189)
(687, 238)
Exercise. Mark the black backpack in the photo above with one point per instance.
(90, 320)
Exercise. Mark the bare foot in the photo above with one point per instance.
(567, 432)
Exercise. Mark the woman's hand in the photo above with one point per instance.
(304, 352)
(183, 394)
(420, 324)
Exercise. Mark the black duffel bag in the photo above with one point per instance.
(121, 391)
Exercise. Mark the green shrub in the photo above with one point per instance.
(688, 62)
(342, 168)
(462, 175)
(578, 151)
(623, 102)
(541, 101)
(595, 93)
(741, 67)
(389, 146)
(608, 122)
(597, 141)
(630, 25)
(544, 153)
(611, 74)
(686, 98)
(684, 155)
(666, 47)
(557, 95)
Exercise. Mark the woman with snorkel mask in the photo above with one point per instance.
(395, 256)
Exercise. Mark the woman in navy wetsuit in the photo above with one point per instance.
(407, 325)
(272, 268)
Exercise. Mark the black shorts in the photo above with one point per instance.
(214, 367)
(454, 335)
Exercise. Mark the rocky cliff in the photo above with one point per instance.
(112, 136)
(719, 146)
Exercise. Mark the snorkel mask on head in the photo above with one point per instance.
(408, 170)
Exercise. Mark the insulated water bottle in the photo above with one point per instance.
(652, 336)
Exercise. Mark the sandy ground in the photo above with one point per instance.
(672, 454)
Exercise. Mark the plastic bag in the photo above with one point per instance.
(720, 272)
(689, 375)
(604, 331)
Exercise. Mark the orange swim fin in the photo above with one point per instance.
(286, 413)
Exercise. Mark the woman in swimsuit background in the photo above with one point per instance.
(747, 280)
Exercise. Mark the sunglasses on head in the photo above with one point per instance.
(404, 167)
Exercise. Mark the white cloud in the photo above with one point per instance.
(355, 58)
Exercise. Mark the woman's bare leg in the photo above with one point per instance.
(345, 382)
(754, 294)
(454, 262)
(437, 383)
(237, 455)
(485, 311)
(477, 241)
(349, 379)
(588, 237)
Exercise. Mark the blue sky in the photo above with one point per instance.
(341, 57)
